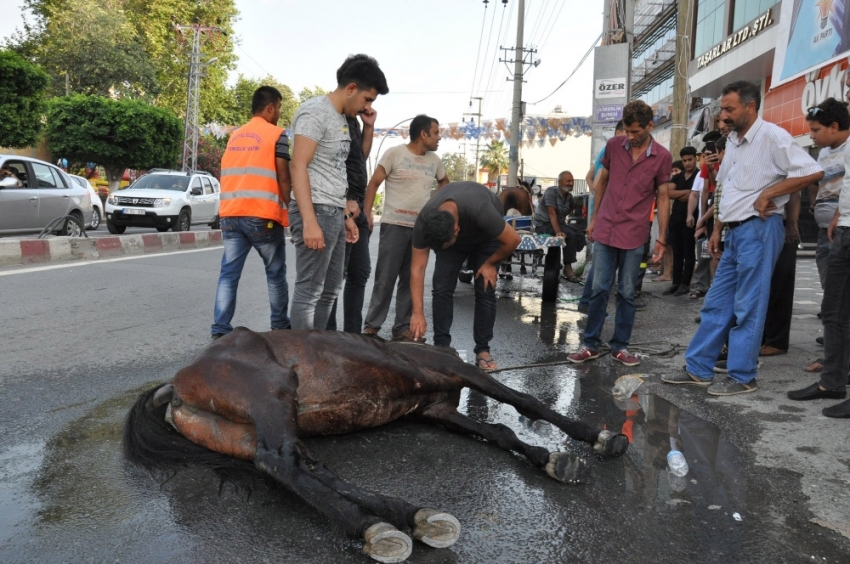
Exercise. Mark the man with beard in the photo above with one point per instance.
(762, 167)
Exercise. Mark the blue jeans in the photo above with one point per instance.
(736, 304)
(318, 275)
(608, 261)
(239, 235)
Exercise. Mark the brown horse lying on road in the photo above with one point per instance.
(253, 396)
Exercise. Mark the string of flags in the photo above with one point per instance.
(534, 130)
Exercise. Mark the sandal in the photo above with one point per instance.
(814, 366)
(484, 363)
(574, 279)
(696, 294)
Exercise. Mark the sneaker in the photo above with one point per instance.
(683, 289)
(625, 357)
(216, 336)
(730, 387)
(583, 308)
(640, 304)
(671, 290)
(407, 337)
(684, 377)
(583, 355)
(720, 366)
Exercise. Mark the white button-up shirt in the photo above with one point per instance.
(765, 156)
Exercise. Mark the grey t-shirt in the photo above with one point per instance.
(318, 120)
(480, 213)
(553, 197)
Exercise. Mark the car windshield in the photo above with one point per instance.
(162, 182)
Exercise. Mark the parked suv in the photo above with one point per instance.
(38, 192)
(165, 199)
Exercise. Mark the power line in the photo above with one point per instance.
(581, 62)
(501, 39)
(478, 54)
(551, 27)
(537, 22)
(486, 50)
(255, 61)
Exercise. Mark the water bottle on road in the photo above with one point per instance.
(677, 464)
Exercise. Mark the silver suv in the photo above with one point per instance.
(165, 199)
(33, 193)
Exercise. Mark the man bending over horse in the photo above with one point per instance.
(550, 217)
(462, 222)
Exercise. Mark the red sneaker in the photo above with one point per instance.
(583, 355)
(625, 357)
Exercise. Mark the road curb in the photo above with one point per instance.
(66, 249)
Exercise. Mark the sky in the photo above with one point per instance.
(436, 54)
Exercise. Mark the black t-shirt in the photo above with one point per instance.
(355, 164)
(680, 209)
(480, 215)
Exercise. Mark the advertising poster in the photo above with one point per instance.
(812, 33)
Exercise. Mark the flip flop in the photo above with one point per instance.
(574, 279)
(814, 366)
(696, 294)
(485, 364)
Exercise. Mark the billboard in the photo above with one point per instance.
(811, 34)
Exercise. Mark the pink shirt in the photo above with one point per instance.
(632, 186)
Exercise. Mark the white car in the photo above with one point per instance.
(97, 216)
(37, 193)
(165, 199)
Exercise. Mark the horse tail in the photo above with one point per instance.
(511, 201)
(152, 443)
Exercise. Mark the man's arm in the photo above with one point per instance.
(787, 186)
(442, 182)
(372, 189)
(509, 240)
(553, 219)
(663, 201)
(418, 264)
(368, 118)
(284, 182)
(792, 215)
(589, 177)
(600, 185)
(302, 155)
(693, 201)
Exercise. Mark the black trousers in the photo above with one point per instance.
(680, 237)
(777, 323)
(358, 267)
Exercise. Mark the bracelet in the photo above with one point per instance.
(348, 215)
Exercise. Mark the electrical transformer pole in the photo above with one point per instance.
(516, 105)
(681, 100)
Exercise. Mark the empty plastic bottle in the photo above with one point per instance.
(676, 463)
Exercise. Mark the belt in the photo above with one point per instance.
(734, 224)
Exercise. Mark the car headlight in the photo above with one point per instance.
(110, 200)
(161, 202)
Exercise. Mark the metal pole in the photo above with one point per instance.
(681, 100)
(516, 107)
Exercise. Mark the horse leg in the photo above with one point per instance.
(562, 466)
(604, 442)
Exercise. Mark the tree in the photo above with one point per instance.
(210, 151)
(495, 159)
(307, 93)
(457, 167)
(21, 100)
(242, 92)
(116, 134)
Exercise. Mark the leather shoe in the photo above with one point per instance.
(767, 350)
(839, 410)
(671, 290)
(814, 392)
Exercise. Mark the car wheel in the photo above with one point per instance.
(551, 271)
(115, 229)
(184, 222)
(95, 220)
(216, 224)
(73, 227)
(162, 229)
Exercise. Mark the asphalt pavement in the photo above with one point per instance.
(768, 478)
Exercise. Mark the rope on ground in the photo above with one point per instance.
(662, 349)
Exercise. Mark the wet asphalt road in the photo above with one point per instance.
(80, 343)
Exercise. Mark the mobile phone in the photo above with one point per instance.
(710, 147)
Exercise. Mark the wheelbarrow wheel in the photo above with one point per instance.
(551, 268)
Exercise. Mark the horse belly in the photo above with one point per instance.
(215, 432)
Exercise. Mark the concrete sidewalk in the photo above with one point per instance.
(56, 249)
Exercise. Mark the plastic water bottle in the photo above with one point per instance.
(677, 464)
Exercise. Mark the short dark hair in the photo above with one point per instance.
(678, 164)
(363, 71)
(720, 144)
(828, 112)
(637, 111)
(688, 151)
(747, 92)
(419, 124)
(263, 96)
(619, 126)
(711, 136)
(437, 228)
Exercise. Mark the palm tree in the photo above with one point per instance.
(495, 159)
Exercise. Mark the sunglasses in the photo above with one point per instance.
(815, 110)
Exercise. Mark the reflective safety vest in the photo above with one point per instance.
(248, 174)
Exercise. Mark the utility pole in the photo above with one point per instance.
(477, 124)
(681, 100)
(520, 64)
(196, 72)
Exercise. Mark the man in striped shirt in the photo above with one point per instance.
(762, 167)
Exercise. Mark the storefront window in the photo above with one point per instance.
(710, 24)
(748, 10)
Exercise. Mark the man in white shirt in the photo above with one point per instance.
(762, 167)
(410, 172)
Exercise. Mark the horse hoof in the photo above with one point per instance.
(385, 543)
(567, 468)
(435, 528)
(609, 444)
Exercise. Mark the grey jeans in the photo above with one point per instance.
(318, 275)
(394, 255)
(824, 212)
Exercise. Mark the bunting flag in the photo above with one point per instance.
(553, 140)
(541, 142)
(500, 124)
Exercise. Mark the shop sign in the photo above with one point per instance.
(740, 36)
(611, 88)
(609, 112)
